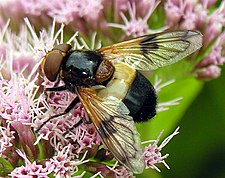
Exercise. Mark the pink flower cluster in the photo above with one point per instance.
(152, 154)
(30, 169)
(62, 147)
(137, 26)
(67, 11)
(83, 136)
(208, 68)
(64, 164)
(61, 165)
(6, 139)
(20, 111)
(77, 14)
(16, 113)
(201, 15)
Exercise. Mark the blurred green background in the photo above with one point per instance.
(199, 150)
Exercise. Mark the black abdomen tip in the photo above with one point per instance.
(141, 99)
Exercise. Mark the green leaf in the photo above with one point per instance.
(41, 155)
(5, 167)
(201, 143)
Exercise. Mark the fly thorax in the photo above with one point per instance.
(80, 67)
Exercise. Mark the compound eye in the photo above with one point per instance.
(52, 64)
(63, 47)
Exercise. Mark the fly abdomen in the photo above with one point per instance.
(141, 99)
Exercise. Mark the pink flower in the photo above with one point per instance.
(84, 135)
(15, 52)
(63, 164)
(216, 21)
(208, 73)
(174, 12)
(90, 137)
(152, 154)
(196, 15)
(66, 11)
(121, 171)
(23, 63)
(214, 57)
(33, 7)
(106, 171)
(201, 13)
(16, 101)
(135, 26)
(6, 139)
(16, 110)
(189, 22)
(208, 67)
(62, 11)
(30, 169)
(89, 10)
(186, 14)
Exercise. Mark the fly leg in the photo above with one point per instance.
(73, 127)
(67, 110)
(81, 121)
(55, 89)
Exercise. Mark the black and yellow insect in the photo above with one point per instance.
(112, 90)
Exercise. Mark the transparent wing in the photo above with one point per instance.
(116, 128)
(156, 50)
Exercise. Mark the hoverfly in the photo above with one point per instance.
(112, 90)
